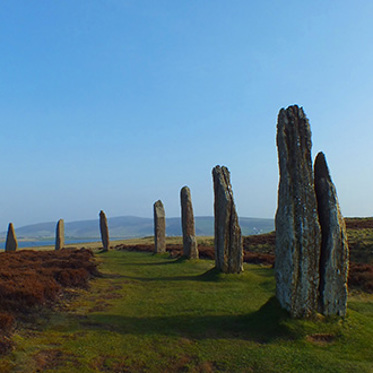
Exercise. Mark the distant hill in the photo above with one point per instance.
(132, 226)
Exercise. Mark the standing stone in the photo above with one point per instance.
(334, 246)
(228, 239)
(11, 239)
(298, 236)
(104, 229)
(190, 246)
(159, 228)
(60, 235)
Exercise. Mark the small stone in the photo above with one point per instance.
(334, 246)
(298, 236)
(190, 246)
(228, 239)
(60, 235)
(159, 228)
(104, 229)
(11, 239)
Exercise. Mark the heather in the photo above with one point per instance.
(30, 280)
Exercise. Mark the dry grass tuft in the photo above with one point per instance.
(321, 338)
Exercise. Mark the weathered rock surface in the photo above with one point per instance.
(104, 229)
(60, 235)
(228, 239)
(334, 246)
(190, 246)
(298, 236)
(11, 239)
(159, 228)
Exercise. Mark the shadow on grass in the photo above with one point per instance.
(150, 263)
(261, 326)
(169, 260)
(211, 275)
(263, 271)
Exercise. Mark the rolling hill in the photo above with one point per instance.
(131, 226)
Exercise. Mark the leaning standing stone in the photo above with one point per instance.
(334, 246)
(60, 235)
(104, 229)
(159, 228)
(228, 239)
(190, 247)
(11, 239)
(298, 235)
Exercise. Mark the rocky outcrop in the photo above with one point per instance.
(228, 239)
(104, 229)
(11, 239)
(159, 228)
(190, 246)
(60, 235)
(298, 236)
(334, 246)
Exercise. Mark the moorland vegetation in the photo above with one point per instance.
(160, 313)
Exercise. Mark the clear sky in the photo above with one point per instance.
(113, 104)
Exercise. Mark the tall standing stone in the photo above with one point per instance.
(11, 239)
(298, 236)
(60, 235)
(104, 229)
(228, 239)
(334, 246)
(159, 228)
(190, 246)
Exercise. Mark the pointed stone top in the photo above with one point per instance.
(185, 192)
(218, 169)
(294, 110)
(293, 116)
(11, 239)
(102, 213)
(294, 141)
(321, 167)
(185, 187)
(222, 176)
(60, 233)
(159, 209)
(221, 172)
(158, 203)
(11, 229)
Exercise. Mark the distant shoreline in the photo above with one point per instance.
(34, 243)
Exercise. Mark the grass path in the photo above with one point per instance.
(154, 314)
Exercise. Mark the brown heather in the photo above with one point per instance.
(30, 279)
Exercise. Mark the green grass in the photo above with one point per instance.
(149, 313)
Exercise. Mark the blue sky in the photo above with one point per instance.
(114, 104)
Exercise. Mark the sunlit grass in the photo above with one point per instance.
(150, 313)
